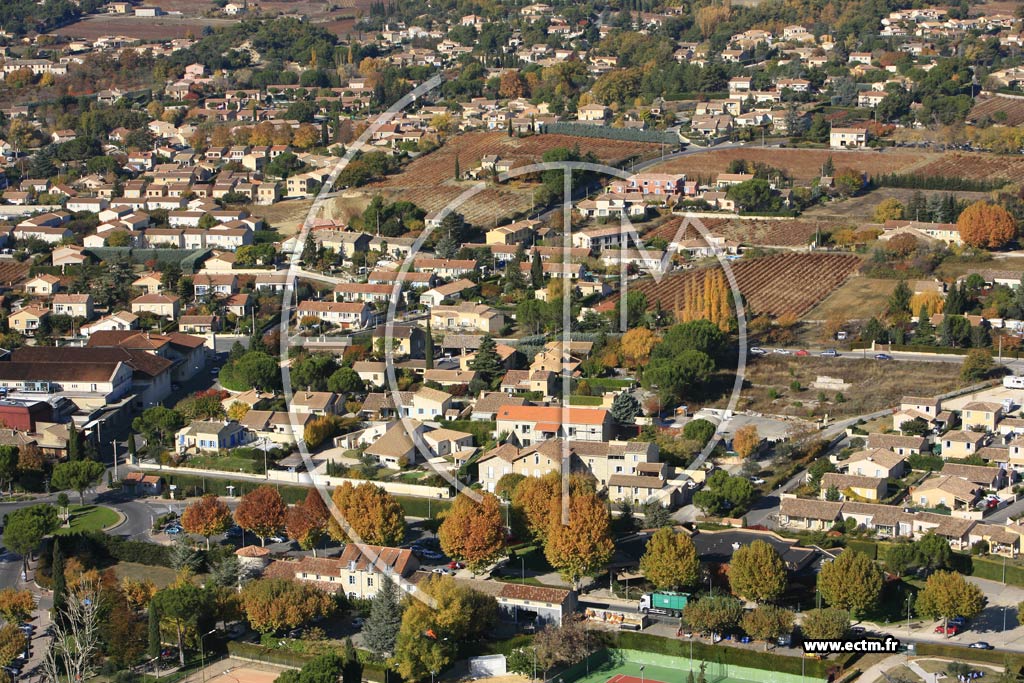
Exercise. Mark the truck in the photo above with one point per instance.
(663, 602)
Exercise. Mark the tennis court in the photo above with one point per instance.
(624, 666)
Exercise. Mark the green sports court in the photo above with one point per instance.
(633, 666)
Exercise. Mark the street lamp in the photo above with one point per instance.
(641, 673)
(202, 652)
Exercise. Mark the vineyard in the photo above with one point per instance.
(975, 167)
(768, 233)
(429, 181)
(803, 165)
(12, 272)
(773, 285)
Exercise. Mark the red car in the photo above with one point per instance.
(802, 352)
(456, 565)
(948, 630)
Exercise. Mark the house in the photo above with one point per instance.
(593, 113)
(347, 316)
(848, 138)
(74, 305)
(532, 424)
(914, 407)
(651, 184)
(520, 232)
(149, 283)
(435, 296)
(428, 404)
(945, 491)
(854, 485)
(357, 572)
(406, 340)
(961, 444)
(812, 515)
(539, 605)
(42, 285)
(900, 445)
(199, 324)
(161, 305)
(467, 316)
(121, 320)
(981, 415)
(876, 462)
(27, 320)
(142, 484)
(210, 436)
(316, 403)
(396, 447)
(993, 478)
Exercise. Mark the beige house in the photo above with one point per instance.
(516, 233)
(983, 414)
(946, 491)
(74, 305)
(357, 573)
(467, 316)
(315, 402)
(149, 283)
(813, 515)
(848, 138)
(854, 486)
(162, 305)
(532, 424)
(42, 285)
(27, 319)
(961, 444)
(897, 443)
(876, 462)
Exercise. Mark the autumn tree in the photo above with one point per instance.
(369, 514)
(12, 643)
(562, 644)
(670, 560)
(473, 532)
(713, 614)
(986, 225)
(948, 594)
(767, 623)
(16, 606)
(207, 517)
(636, 346)
(830, 623)
(511, 85)
(932, 302)
(277, 604)
(261, 512)
(433, 630)
(306, 522)
(852, 582)
(583, 544)
(746, 441)
(888, 209)
(757, 573)
(532, 498)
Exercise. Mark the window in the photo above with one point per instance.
(351, 580)
(369, 581)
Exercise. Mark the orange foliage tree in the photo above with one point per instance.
(532, 498)
(986, 225)
(473, 532)
(582, 546)
(636, 346)
(746, 440)
(370, 514)
(306, 522)
(261, 511)
(206, 516)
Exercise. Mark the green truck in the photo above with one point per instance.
(663, 602)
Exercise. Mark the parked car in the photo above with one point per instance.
(802, 353)
(277, 538)
(949, 630)
(783, 352)
(443, 570)
(454, 564)
(830, 353)
(957, 621)
(173, 529)
(980, 645)
(757, 351)
(234, 532)
(756, 481)
(882, 356)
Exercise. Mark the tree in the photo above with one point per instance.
(12, 643)
(8, 465)
(679, 377)
(536, 271)
(261, 511)
(625, 409)
(977, 365)
(345, 380)
(473, 532)
(312, 371)
(670, 560)
(157, 425)
(898, 304)
(562, 644)
(900, 557)
(74, 443)
(933, 552)
(713, 614)
(182, 605)
(888, 209)
(767, 623)
(307, 521)
(852, 582)
(948, 594)
(369, 514)
(385, 619)
(746, 441)
(433, 631)
(757, 573)
(76, 638)
(26, 527)
(636, 346)
(699, 430)
(506, 487)
(60, 586)
(153, 639)
(986, 225)
(207, 517)
(77, 475)
(16, 606)
(275, 604)
(830, 623)
(582, 546)
(486, 361)
(532, 499)
(428, 348)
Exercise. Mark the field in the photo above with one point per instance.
(429, 180)
(773, 285)
(859, 298)
(769, 233)
(974, 166)
(12, 272)
(769, 386)
(985, 107)
(141, 28)
(800, 164)
(862, 208)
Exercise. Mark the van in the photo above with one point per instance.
(829, 353)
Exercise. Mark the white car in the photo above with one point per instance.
(757, 351)
(444, 570)
(783, 352)
(756, 481)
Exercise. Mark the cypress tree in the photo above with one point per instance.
(428, 351)
(154, 631)
(59, 581)
(925, 332)
(74, 443)
(458, 171)
(537, 271)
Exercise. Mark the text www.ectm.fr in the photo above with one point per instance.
(825, 647)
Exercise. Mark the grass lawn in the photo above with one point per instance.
(900, 672)
(226, 463)
(576, 400)
(858, 297)
(89, 518)
(161, 576)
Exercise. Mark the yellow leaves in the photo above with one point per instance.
(473, 532)
(986, 225)
(636, 345)
(372, 515)
(582, 545)
(932, 302)
(137, 593)
(746, 440)
(705, 298)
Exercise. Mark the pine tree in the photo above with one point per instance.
(624, 409)
(954, 304)
(925, 332)
(917, 208)
(428, 348)
(382, 625)
(59, 581)
(487, 362)
(536, 271)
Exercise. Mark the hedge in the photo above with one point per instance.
(190, 485)
(917, 182)
(259, 653)
(755, 659)
(869, 548)
(957, 652)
